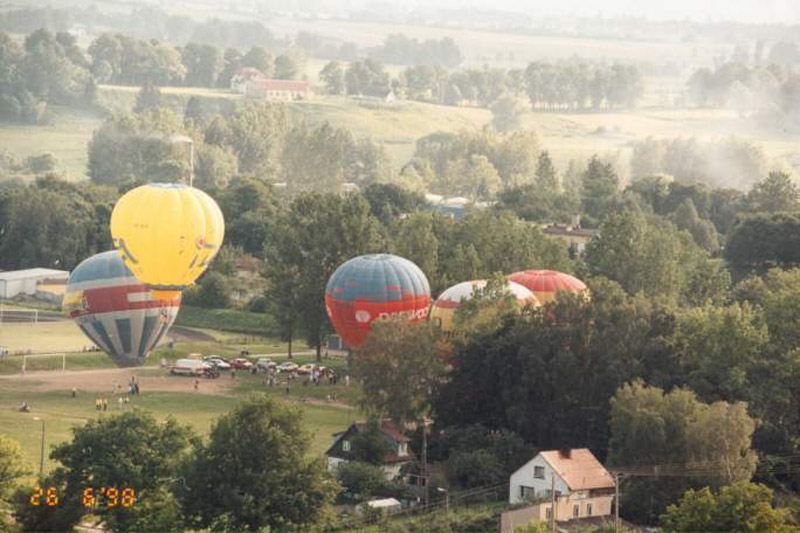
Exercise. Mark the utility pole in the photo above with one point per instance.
(553, 502)
(41, 457)
(425, 460)
(616, 502)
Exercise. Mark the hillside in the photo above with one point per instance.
(397, 126)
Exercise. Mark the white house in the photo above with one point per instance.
(15, 282)
(583, 487)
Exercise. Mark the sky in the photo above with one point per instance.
(759, 11)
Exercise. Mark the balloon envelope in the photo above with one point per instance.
(444, 308)
(167, 233)
(545, 284)
(116, 310)
(374, 287)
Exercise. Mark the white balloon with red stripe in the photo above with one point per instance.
(115, 310)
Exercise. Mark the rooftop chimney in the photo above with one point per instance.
(566, 453)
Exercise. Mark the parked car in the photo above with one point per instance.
(306, 368)
(190, 367)
(287, 366)
(219, 362)
(241, 363)
(264, 363)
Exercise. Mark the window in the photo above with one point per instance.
(548, 513)
(576, 511)
(538, 472)
(402, 449)
(527, 493)
(588, 509)
(345, 445)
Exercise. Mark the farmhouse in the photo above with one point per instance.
(400, 454)
(250, 82)
(583, 488)
(576, 237)
(16, 282)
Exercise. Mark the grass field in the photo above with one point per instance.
(43, 337)
(61, 412)
(66, 136)
(229, 320)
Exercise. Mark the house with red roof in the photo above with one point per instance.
(251, 82)
(583, 487)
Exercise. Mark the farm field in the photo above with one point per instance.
(507, 50)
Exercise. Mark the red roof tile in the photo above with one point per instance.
(579, 469)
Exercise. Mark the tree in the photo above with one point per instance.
(507, 112)
(286, 67)
(388, 202)
(650, 427)
(546, 177)
(53, 223)
(474, 177)
(370, 445)
(515, 373)
(215, 167)
(718, 349)
(259, 59)
(149, 97)
(255, 472)
(203, 63)
(257, 132)
(654, 259)
(212, 292)
(368, 78)
(318, 233)
(231, 63)
(760, 241)
(364, 480)
(332, 75)
(12, 468)
(314, 158)
(743, 506)
(399, 368)
(775, 193)
(600, 189)
(128, 450)
(703, 232)
(134, 148)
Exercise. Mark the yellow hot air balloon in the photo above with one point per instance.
(167, 234)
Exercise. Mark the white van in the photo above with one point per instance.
(189, 367)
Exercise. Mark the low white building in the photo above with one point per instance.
(16, 282)
(583, 487)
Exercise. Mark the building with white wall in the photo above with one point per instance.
(16, 282)
(583, 487)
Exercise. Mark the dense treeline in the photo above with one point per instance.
(566, 85)
(145, 23)
(771, 90)
(47, 68)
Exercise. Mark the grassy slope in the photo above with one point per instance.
(61, 412)
(567, 136)
(66, 137)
